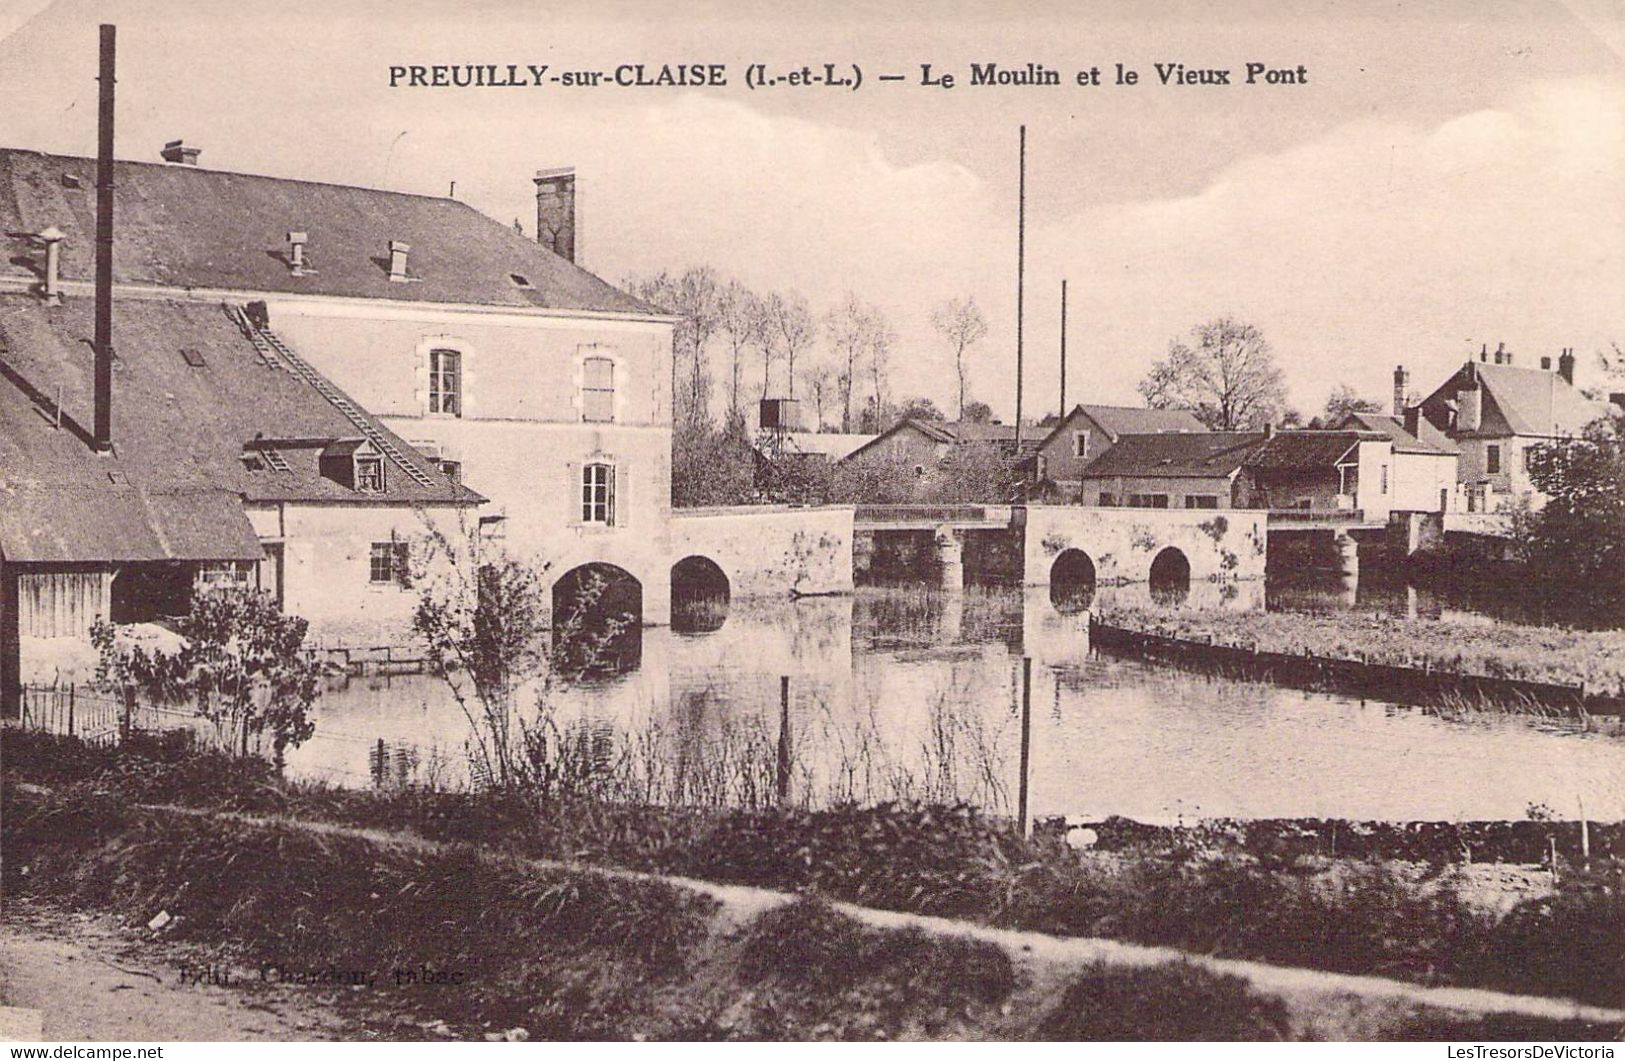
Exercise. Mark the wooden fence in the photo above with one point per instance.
(98, 717)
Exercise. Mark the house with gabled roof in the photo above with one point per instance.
(223, 467)
(1494, 411)
(478, 354)
(1424, 463)
(1088, 431)
(1322, 472)
(1198, 469)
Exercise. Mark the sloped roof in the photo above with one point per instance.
(835, 446)
(1517, 401)
(1119, 420)
(122, 524)
(1307, 449)
(1431, 441)
(186, 226)
(1195, 454)
(176, 427)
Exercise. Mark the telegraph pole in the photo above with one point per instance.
(1021, 272)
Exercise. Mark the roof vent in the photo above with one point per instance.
(181, 152)
(518, 280)
(71, 181)
(193, 357)
(397, 260)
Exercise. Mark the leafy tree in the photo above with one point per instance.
(971, 473)
(921, 409)
(960, 322)
(1577, 539)
(711, 467)
(1345, 400)
(982, 413)
(241, 665)
(1227, 377)
(852, 328)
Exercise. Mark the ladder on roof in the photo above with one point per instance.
(276, 461)
(275, 351)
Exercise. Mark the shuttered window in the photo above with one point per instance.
(598, 390)
(598, 494)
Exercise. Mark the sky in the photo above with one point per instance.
(1451, 174)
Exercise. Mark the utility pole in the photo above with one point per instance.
(1063, 349)
(1021, 272)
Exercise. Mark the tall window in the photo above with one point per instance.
(598, 494)
(1080, 444)
(598, 389)
(369, 474)
(388, 563)
(446, 382)
(1385, 478)
(1492, 459)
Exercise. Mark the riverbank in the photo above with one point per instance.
(1428, 923)
(440, 940)
(1590, 664)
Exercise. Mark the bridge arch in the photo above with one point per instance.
(700, 595)
(1170, 576)
(1072, 581)
(598, 619)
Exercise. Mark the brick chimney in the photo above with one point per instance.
(556, 211)
(1402, 390)
(1565, 365)
(180, 152)
(296, 253)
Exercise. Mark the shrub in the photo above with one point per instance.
(1173, 1002)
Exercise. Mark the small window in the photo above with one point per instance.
(388, 562)
(193, 357)
(1492, 459)
(452, 470)
(216, 573)
(598, 494)
(598, 390)
(1201, 500)
(369, 474)
(518, 280)
(1080, 444)
(1385, 478)
(446, 382)
(1108, 500)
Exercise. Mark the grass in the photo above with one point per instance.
(1241, 892)
(1172, 1002)
(1495, 650)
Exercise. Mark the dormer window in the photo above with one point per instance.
(369, 473)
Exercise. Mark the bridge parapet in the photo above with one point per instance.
(770, 550)
(1122, 543)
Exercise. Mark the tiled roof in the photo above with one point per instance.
(1196, 454)
(1118, 420)
(122, 524)
(1307, 449)
(1431, 440)
(1518, 401)
(185, 226)
(176, 426)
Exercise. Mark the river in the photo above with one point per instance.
(908, 693)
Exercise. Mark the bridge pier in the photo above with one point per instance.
(950, 560)
(1348, 555)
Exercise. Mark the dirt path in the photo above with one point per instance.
(93, 980)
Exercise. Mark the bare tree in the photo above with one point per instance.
(742, 323)
(1228, 378)
(821, 382)
(881, 340)
(791, 331)
(696, 297)
(851, 328)
(960, 321)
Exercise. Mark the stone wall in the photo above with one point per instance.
(1122, 542)
(770, 550)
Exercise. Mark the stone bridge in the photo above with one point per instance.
(767, 550)
(1123, 545)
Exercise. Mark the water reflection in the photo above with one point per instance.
(908, 693)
